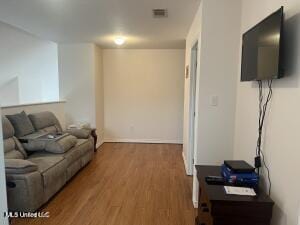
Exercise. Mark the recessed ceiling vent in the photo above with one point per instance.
(160, 13)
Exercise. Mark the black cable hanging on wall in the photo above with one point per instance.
(260, 157)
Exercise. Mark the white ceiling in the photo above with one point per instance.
(100, 21)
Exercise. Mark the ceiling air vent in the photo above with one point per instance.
(160, 13)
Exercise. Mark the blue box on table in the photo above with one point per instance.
(245, 179)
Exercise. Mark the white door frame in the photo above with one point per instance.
(192, 108)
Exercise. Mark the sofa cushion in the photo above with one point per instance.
(54, 173)
(13, 154)
(61, 145)
(52, 129)
(40, 141)
(13, 149)
(87, 158)
(79, 133)
(21, 123)
(9, 145)
(8, 129)
(74, 154)
(31, 142)
(85, 145)
(44, 120)
(45, 163)
(19, 166)
(73, 169)
(41, 154)
(70, 156)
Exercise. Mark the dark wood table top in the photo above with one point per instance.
(217, 192)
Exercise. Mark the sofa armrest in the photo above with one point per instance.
(24, 185)
(19, 166)
(82, 133)
(25, 192)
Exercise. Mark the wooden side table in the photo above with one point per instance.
(94, 135)
(218, 208)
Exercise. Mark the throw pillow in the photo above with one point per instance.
(21, 123)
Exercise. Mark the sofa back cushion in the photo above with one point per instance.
(21, 123)
(12, 147)
(8, 129)
(46, 121)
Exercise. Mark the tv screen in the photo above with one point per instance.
(262, 50)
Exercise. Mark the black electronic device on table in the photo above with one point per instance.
(239, 166)
(215, 180)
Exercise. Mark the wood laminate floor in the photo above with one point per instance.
(125, 184)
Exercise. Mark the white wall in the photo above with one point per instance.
(217, 28)
(9, 92)
(29, 64)
(3, 199)
(281, 142)
(218, 59)
(77, 82)
(143, 95)
(80, 74)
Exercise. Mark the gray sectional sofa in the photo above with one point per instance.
(35, 175)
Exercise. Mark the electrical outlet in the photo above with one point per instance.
(131, 128)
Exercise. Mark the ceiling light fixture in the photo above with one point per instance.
(119, 41)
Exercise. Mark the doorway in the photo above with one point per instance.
(192, 107)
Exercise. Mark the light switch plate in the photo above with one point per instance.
(214, 100)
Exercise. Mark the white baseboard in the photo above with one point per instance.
(187, 171)
(185, 165)
(150, 141)
(195, 203)
(99, 144)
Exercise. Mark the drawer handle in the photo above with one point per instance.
(205, 209)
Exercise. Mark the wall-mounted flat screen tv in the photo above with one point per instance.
(262, 51)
